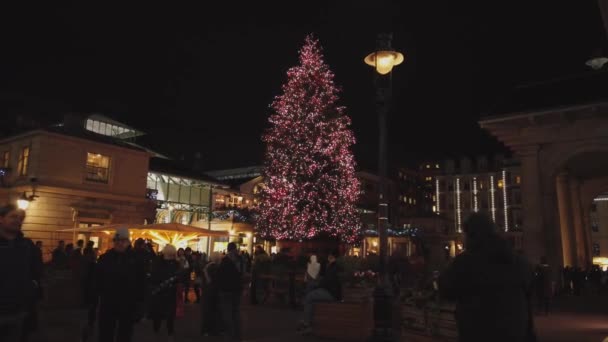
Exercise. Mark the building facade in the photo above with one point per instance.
(486, 186)
(73, 178)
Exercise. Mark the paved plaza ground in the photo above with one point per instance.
(576, 319)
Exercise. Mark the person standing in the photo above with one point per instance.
(59, 258)
(230, 290)
(542, 283)
(20, 273)
(121, 285)
(492, 287)
(88, 288)
(189, 266)
(329, 290)
(165, 274)
(210, 293)
(260, 259)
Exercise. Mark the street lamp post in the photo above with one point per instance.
(383, 60)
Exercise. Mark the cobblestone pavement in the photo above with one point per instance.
(574, 319)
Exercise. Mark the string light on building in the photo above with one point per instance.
(458, 211)
(492, 199)
(475, 203)
(504, 197)
(438, 206)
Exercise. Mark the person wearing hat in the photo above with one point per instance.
(121, 287)
(492, 287)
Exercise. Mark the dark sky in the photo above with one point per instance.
(200, 78)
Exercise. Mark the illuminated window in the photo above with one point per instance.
(436, 166)
(518, 179)
(98, 168)
(6, 158)
(405, 199)
(414, 201)
(24, 160)
(428, 166)
(500, 184)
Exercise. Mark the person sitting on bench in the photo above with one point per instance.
(329, 290)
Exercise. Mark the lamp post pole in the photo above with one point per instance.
(383, 61)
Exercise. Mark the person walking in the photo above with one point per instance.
(230, 290)
(121, 285)
(311, 277)
(329, 290)
(210, 325)
(20, 273)
(164, 276)
(492, 287)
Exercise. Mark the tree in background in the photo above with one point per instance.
(310, 185)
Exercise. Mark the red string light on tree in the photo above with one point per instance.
(311, 187)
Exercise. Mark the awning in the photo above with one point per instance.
(163, 227)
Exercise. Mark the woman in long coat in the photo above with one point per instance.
(165, 274)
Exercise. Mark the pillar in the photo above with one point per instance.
(534, 237)
(582, 248)
(565, 219)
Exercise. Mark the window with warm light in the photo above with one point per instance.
(24, 161)
(517, 179)
(500, 183)
(6, 158)
(98, 168)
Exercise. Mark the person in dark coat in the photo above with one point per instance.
(121, 285)
(491, 285)
(543, 286)
(210, 305)
(230, 284)
(89, 289)
(165, 274)
(59, 258)
(20, 273)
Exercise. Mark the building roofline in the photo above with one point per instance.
(534, 113)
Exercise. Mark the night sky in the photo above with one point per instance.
(200, 78)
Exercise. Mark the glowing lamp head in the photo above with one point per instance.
(384, 61)
(23, 204)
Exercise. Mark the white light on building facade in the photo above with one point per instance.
(492, 199)
(504, 197)
(438, 207)
(458, 212)
(475, 203)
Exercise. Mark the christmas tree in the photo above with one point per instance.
(310, 185)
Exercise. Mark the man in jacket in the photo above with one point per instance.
(120, 279)
(20, 272)
(491, 285)
(230, 286)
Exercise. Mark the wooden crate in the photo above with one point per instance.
(343, 321)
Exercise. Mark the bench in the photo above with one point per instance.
(343, 321)
(428, 324)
